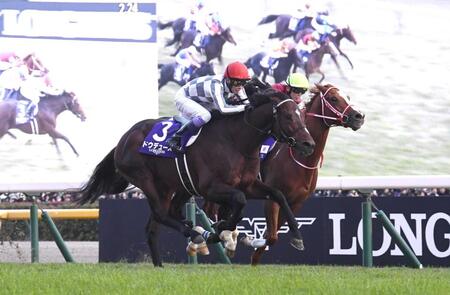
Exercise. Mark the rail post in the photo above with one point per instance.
(407, 251)
(207, 225)
(366, 207)
(57, 236)
(190, 215)
(34, 233)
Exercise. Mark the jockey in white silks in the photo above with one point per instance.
(187, 60)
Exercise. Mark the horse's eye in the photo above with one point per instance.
(333, 99)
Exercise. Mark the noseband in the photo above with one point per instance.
(341, 117)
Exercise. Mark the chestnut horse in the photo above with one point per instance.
(296, 175)
(223, 166)
(49, 107)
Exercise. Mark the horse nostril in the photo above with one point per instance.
(359, 116)
(309, 144)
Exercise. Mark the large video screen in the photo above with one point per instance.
(107, 53)
(399, 76)
(104, 55)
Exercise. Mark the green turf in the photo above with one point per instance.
(218, 279)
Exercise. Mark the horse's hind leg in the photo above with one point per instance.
(55, 142)
(160, 213)
(153, 241)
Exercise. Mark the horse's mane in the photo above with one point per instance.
(48, 96)
(259, 93)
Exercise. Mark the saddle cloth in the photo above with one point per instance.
(267, 147)
(155, 143)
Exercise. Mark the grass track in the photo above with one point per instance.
(218, 279)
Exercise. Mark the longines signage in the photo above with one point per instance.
(331, 227)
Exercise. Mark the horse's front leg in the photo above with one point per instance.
(54, 134)
(234, 199)
(259, 190)
(347, 58)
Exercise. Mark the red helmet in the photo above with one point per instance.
(236, 70)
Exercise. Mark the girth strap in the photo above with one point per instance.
(184, 175)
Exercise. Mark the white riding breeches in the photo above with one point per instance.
(192, 110)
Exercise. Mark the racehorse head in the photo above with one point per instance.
(226, 35)
(333, 108)
(287, 124)
(347, 34)
(72, 104)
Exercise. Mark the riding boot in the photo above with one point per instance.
(175, 142)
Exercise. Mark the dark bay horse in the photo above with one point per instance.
(282, 25)
(223, 165)
(213, 48)
(167, 72)
(49, 107)
(335, 37)
(177, 27)
(296, 175)
(280, 73)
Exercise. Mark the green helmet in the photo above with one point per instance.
(297, 80)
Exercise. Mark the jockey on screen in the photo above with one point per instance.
(28, 77)
(307, 44)
(196, 16)
(211, 25)
(280, 50)
(187, 60)
(199, 97)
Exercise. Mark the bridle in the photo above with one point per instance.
(340, 118)
(69, 105)
(282, 137)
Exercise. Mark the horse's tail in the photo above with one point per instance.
(268, 19)
(162, 26)
(104, 180)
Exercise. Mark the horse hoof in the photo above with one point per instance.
(191, 249)
(298, 244)
(202, 249)
(230, 253)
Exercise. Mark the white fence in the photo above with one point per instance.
(338, 182)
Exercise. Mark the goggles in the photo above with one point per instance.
(299, 90)
(236, 83)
